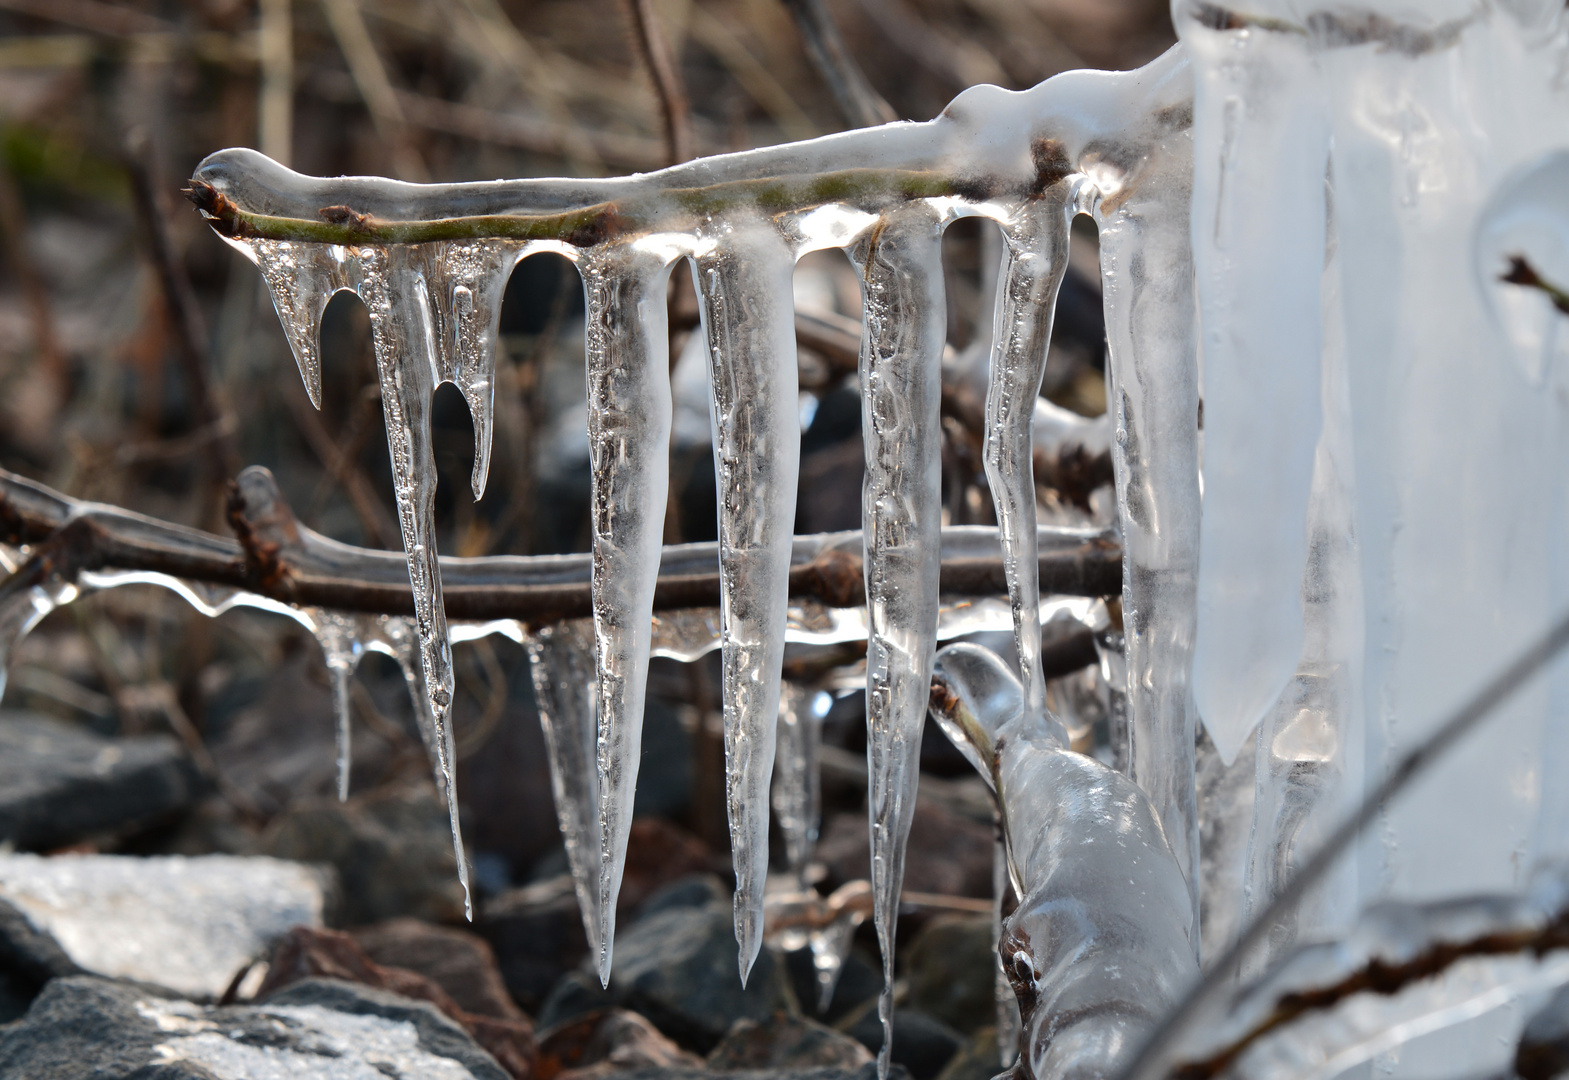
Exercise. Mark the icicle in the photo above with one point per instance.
(400, 640)
(1036, 259)
(302, 278)
(629, 414)
(901, 351)
(404, 325)
(797, 794)
(562, 661)
(23, 609)
(830, 945)
(744, 289)
(341, 647)
(468, 281)
(1147, 280)
(1260, 146)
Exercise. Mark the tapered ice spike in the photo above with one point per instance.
(562, 663)
(341, 648)
(395, 288)
(302, 277)
(468, 282)
(797, 795)
(629, 413)
(1036, 258)
(744, 289)
(901, 353)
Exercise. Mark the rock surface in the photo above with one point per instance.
(602, 1043)
(459, 962)
(183, 923)
(786, 1042)
(922, 1045)
(318, 1030)
(537, 935)
(29, 958)
(60, 783)
(306, 954)
(392, 851)
(947, 852)
(952, 971)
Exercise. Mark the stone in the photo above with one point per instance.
(786, 1042)
(951, 968)
(537, 935)
(60, 784)
(317, 1030)
(459, 962)
(607, 1041)
(29, 958)
(185, 923)
(575, 995)
(306, 954)
(976, 1059)
(658, 853)
(922, 1045)
(679, 968)
(677, 1072)
(947, 853)
(392, 850)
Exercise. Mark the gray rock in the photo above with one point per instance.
(860, 980)
(679, 968)
(976, 1059)
(786, 1042)
(29, 958)
(921, 1044)
(183, 923)
(392, 851)
(865, 1072)
(315, 1030)
(537, 935)
(60, 784)
(576, 994)
(952, 971)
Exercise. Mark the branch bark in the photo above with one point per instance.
(277, 557)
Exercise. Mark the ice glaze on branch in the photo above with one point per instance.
(277, 557)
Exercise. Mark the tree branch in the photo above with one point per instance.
(278, 558)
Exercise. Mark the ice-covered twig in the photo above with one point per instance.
(281, 559)
(1155, 1058)
(1099, 945)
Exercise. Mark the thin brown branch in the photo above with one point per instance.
(278, 558)
(190, 333)
(654, 49)
(861, 105)
(379, 527)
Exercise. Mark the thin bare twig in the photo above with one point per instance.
(861, 105)
(653, 47)
(278, 558)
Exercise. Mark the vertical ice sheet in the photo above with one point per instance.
(1037, 257)
(562, 662)
(746, 299)
(1260, 147)
(338, 634)
(901, 351)
(1147, 282)
(629, 412)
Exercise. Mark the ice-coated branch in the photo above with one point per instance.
(277, 557)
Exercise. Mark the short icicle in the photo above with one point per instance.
(341, 648)
(562, 663)
(629, 415)
(901, 352)
(797, 794)
(1037, 257)
(404, 333)
(744, 289)
(302, 277)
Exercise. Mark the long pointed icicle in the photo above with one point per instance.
(562, 664)
(404, 328)
(744, 287)
(901, 353)
(629, 413)
(1036, 259)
